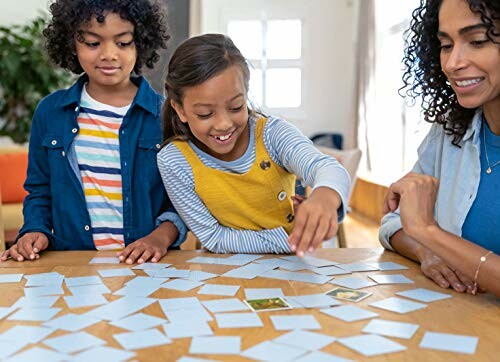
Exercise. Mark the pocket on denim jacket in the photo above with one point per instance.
(58, 164)
(145, 160)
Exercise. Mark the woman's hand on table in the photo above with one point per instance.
(27, 247)
(443, 275)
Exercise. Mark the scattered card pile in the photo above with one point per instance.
(91, 302)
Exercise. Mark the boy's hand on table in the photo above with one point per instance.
(152, 247)
(27, 247)
(316, 220)
(148, 248)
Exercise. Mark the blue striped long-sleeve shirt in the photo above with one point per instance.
(288, 148)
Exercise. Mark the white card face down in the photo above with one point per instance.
(263, 293)
(449, 342)
(371, 344)
(391, 279)
(390, 328)
(39, 354)
(189, 328)
(182, 284)
(138, 322)
(424, 295)
(353, 282)
(103, 353)
(219, 289)
(349, 313)
(388, 265)
(225, 305)
(321, 357)
(10, 278)
(398, 305)
(270, 351)
(308, 340)
(314, 300)
(74, 342)
(215, 345)
(289, 322)
(238, 320)
(142, 339)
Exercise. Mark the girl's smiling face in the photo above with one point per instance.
(217, 115)
(106, 52)
(469, 59)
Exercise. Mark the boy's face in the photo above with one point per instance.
(107, 52)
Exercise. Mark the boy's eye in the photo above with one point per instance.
(123, 44)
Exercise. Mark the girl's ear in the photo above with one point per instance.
(179, 110)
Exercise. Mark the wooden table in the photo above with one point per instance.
(462, 314)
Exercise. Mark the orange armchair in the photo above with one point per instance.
(13, 166)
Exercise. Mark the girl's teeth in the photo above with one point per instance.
(223, 138)
(465, 83)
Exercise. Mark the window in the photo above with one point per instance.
(394, 129)
(297, 73)
(274, 49)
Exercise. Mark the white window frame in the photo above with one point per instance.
(274, 13)
(404, 126)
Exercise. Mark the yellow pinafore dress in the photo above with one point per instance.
(256, 200)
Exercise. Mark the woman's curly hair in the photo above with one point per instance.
(148, 18)
(424, 76)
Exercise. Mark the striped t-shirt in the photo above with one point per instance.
(98, 153)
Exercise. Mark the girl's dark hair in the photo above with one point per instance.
(424, 76)
(196, 60)
(148, 18)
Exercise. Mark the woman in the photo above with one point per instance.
(449, 206)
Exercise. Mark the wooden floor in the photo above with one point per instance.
(360, 231)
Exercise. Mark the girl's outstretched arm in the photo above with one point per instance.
(318, 217)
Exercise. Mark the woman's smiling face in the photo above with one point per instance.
(469, 59)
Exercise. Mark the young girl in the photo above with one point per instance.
(229, 171)
(92, 177)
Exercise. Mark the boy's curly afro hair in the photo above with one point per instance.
(150, 29)
(424, 76)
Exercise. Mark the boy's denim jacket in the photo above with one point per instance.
(55, 204)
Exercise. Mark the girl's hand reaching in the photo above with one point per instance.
(316, 220)
(27, 247)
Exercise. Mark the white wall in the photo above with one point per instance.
(330, 43)
(331, 46)
(19, 11)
